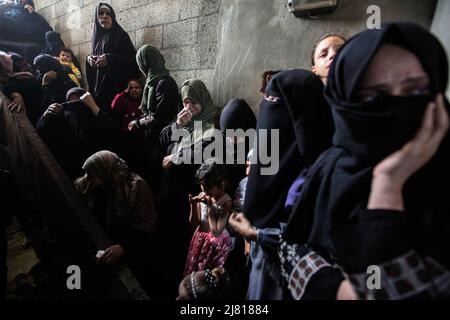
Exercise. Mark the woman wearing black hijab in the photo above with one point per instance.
(236, 115)
(376, 198)
(112, 60)
(54, 44)
(294, 105)
(54, 80)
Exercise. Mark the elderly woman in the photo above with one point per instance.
(122, 203)
(112, 60)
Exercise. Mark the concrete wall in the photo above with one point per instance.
(230, 48)
(441, 27)
(184, 30)
(258, 35)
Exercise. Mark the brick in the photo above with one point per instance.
(132, 19)
(190, 9)
(151, 35)
(181, 76)
(210, 6)
(207, 40)
(206, 75)
(120, 5)
(162, 12)
(180, 33)
(172, 57)
(190, 58)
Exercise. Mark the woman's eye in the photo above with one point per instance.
(419, 91)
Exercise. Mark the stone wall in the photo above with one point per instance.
(184, 30)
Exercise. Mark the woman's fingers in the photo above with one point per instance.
(441, 121)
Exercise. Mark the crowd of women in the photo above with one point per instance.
(363, 154)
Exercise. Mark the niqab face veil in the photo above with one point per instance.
(329, 215)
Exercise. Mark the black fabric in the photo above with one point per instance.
(22, 32)
(54, 92)
(168, 102)
(75, 134)
(104, 83)
(294, 105)
(54, 44)
(31, 92)
(331, 216)
(236, 114)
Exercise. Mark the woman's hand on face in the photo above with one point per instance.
(102, 61)
(112, 254)
(53, 110)
(49, 77)
(390, 175)
(17, 104)
(400, 165)
(167, 162)
(184, 117)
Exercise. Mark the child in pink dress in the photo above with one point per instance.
(210, 210)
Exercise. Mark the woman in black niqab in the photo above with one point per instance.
(332, 217)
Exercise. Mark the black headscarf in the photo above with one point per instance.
(293, 104)
(105, 83)
(53, 43)
(331, 214)
(237, 114)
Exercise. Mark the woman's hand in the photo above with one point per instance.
(390, 175)
(17, 104)
(184, 117)
(102, 61)
(133, 125)
(49, 77)
(112, 254)
(29, 8)
(92, 60)
(89, 101)
(53, 110)
(167, 162)
(346, 292)
(240, 224)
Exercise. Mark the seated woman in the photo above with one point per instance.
(378, 197)
(122, 203)
(173, 196)
(20, 86)
(54, 80)
(75, 129)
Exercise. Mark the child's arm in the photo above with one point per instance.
(195, 212)
(76, 71)
(218, 219)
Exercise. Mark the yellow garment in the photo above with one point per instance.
(75, 75)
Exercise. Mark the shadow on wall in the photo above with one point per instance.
(259, 35)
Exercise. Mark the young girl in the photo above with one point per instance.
(210, 210)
